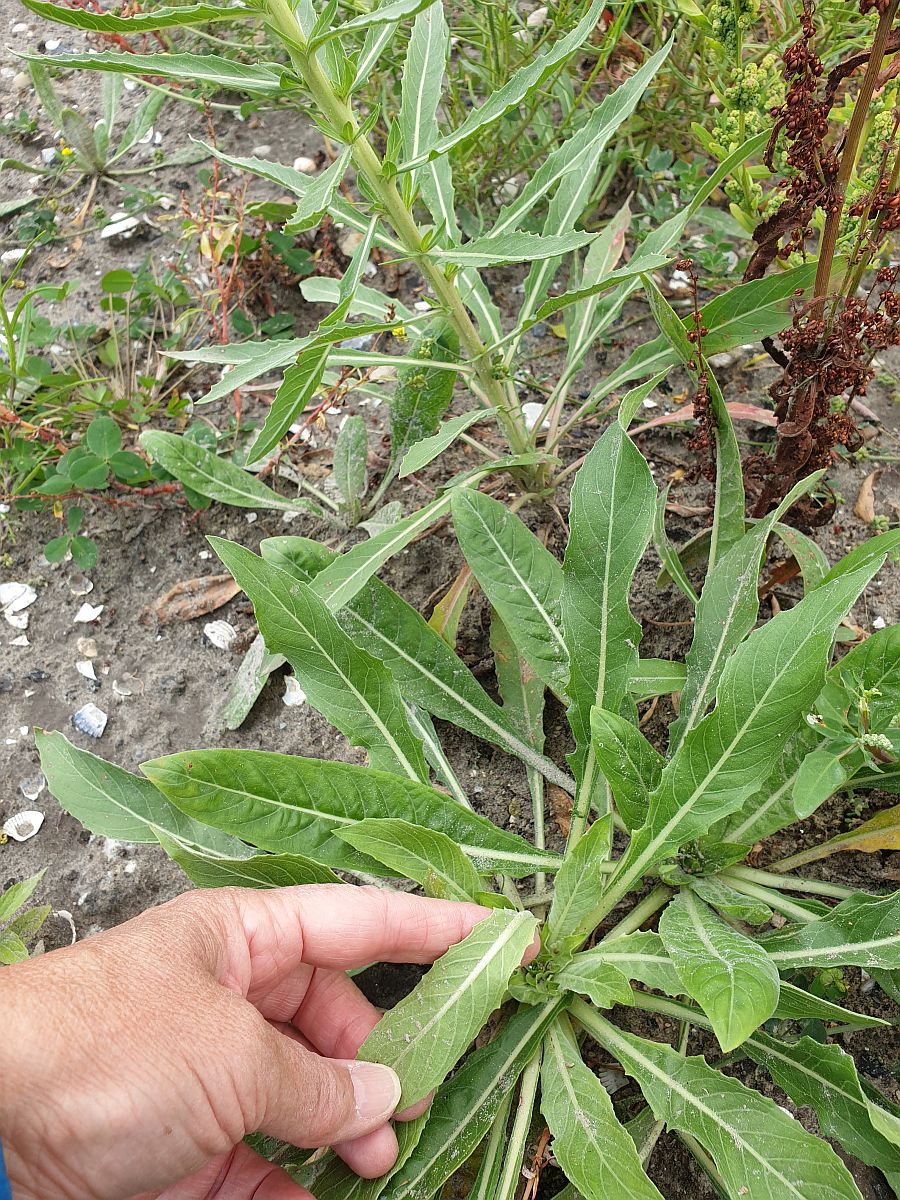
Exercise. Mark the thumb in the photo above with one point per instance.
(312, 1101)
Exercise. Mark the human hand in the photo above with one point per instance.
(136, 1061)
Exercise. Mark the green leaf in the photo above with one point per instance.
(643, 262)
(524, 83)
(211, 476)
(871, 550)
(422, 81)
(422, 395)
(429, 858)
(520, 689)
(666, 551)
(28, 924)
(761, 1152)
(825, 1078)
(811, 559)
(56, 549)
(655, 677)
(591, 976)
(590, 1145)
(629, 763)
(256, 667)
(520, 577)
(351, 453)
(726, 613)
(764, 694)
(193, 69)
(639, 956)
(317, 199)
(12, 948)
(821, 774)
(794, 1004)
(294, 393)
(580, 152)
(292, 805)
(466, 1105)
(425, 1035)
(103, 436)
(384, 14)
(347, 685)
(258, 871)
(333, 1179)
(116, 804)
(730, 976)
(582, 326)
(610, 520)
(366, 302)
(429, 674)
(495, 250)
(862, 931)
(18, 894)
(142, 22)
(732, 903)
(578, 884)
(422, 452)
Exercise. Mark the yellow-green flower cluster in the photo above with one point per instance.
(730, 20)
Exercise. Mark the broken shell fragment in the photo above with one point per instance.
(90, 720)
(23, 825)
(32, 788)
(80, 585)
(85, 667)
(220, 634)
(87, 647)
(88, 613)
(128, 685)
(294, 694)
(14, 599)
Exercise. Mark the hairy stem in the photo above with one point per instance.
(789, 883)
(651, 904)
(518, 1135)
(774, 899)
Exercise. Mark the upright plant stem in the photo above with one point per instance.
(828, 244)
(518, 1136)
(651, 903)
(340, 116)
(789, 883)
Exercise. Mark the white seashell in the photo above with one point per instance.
(879, 623)
(23, 825)
(80, 585)
(648, 403)
(537, 18)
(32, 788)
(9, 258)
(306, 165)
(14, 599)
(128, 685)
(531, 412)
(294, 694)
(220, 633)
(52, 44)
(251, 517)
(90, 720)
(422, 306)
(123, 229)
(48, 154)
(87, 647)
(85, 667)
(88, 613)
(20, 641)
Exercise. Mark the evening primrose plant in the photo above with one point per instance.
(651, 907)
(396, 194)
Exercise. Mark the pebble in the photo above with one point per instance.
(19, 27)
(304, 164)
(173, 685)
(21, 81)
(48, 154)
(262, 151)
(349, 240)
(537, 18)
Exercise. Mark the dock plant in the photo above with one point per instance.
(652, 905)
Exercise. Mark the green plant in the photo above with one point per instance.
(18, 924)
(670, 833)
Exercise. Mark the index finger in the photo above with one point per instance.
(341, 927)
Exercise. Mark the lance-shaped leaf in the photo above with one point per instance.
(583, 327)
(524, 83)
(862, 931)
(730, 976)
(593, 1149)
(425, 1035)
(113, 803)
(347, 685)
(579, 884)
(351, 452)
(873, 548)
(366, 302)
(495, 250)
(428, 672)
(672, 564)
(192, 69)
(204, 472)
(881, 832)
(716, 892)
(520, 577)
(292, 805)
(760, 1151)
(726, 613)
(580, 152)
(811, 559)
(258, 871)
(628, 761)
(655, 677)
(423, 79)
(333, 1179)
(421, 453)
(256, 667)
(316, 200)
(794, 1004)
(591, 976)
(825, 1078)
(294, 393)
(765, 692)
(424, 855)
(611, 519)
(422, 395)
(142, 22)
(466, 1105)
(384, 14)
(641, 956)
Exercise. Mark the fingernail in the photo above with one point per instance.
(376, 1090)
